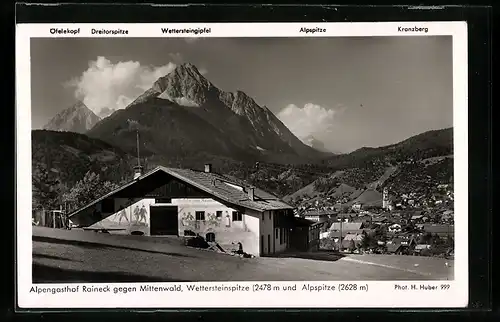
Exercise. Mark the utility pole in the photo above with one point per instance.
(138, 156)
(341, 218)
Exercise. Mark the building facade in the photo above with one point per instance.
(181, 202)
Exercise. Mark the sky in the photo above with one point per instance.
(346, 92)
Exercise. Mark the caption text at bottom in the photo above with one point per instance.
(258, 287)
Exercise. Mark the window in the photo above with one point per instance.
(237, 216)
(218, 214)
(269, 215)
(163, 200)
(210, 237)
(200, 215)
(276, 233)
(281, 236)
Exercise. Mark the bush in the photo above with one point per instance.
(197, 242)
(327, 244)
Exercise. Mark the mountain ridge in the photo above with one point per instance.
(234, 119)
(69, 155)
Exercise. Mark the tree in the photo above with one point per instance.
(46, 189)
(436, 240)
(380, 234)
(368, 241)
(365, 242)
(91, 187)
(426, 239)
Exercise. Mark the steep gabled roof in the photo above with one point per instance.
(214, 184)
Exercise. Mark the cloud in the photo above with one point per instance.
(176, 58)
(191, 40)
(311, 119)
(107, 85)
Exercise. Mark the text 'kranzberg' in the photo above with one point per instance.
(413, 29)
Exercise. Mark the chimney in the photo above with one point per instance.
(208, 168)
(251, 193)
(137, 171)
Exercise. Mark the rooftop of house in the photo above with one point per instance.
(351, 236)
(391, 248)
(336, 233)
(298, 221)
(349, 243)
(221, 187)
(394, 244)
(438, 228)
(422, 246)
(346, 226)
(320, 212)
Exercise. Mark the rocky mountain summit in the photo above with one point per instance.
(193, 116)
(77, 118)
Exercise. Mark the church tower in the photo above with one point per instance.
(385, 198)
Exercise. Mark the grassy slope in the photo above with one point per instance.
(88, 257)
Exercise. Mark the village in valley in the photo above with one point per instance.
(406, 224)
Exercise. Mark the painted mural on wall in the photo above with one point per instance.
(121, 215)
(212, 217)
(132, 216)
(140, 213)
(213, 220)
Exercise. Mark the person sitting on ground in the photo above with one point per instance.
(240, 248)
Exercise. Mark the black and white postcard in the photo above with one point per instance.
(268, 165)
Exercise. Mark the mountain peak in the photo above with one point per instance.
(76, 118)
(80, 105)
(188, 66)
(187, 70)
(184, 85)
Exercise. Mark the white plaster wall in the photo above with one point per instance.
(253, 221)
(227, 232)
(187, 213)
(129, 218)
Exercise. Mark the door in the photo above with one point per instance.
(164, 220)
(269, 244)
(261, 245)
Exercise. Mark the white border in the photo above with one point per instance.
(380, 294)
